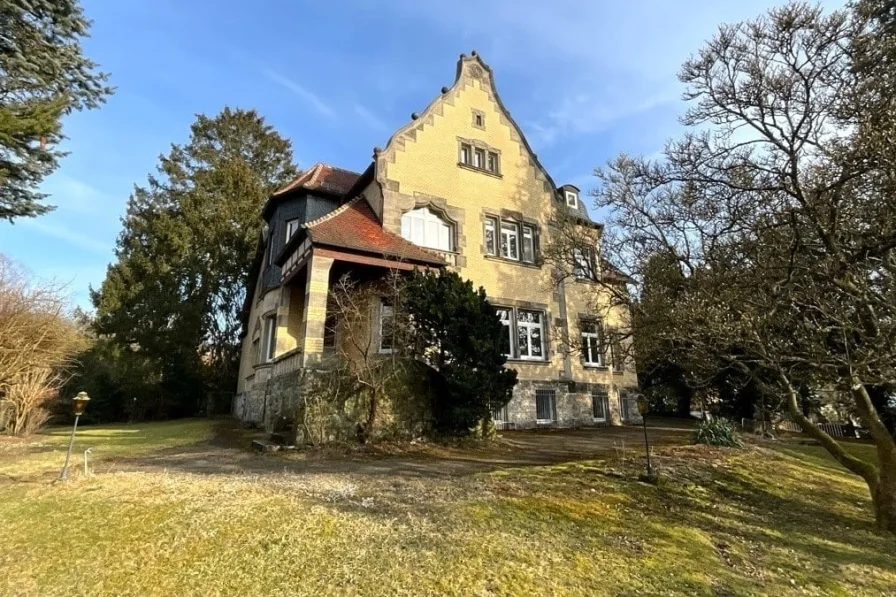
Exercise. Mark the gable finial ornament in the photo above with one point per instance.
(414, 115)
(444, 90)
(474, 53)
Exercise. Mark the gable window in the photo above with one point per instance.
(583, 263)
(592, 344)
(270, 338)
(466, 154)
(386, 328)
(505, 316)
(600, 403)
(491, 245)
(545, 405)
(493, 162)
(528, 244)
(479, 158)
(530, 334)
(510, 241)
(572, 199)
(291, 227)
(426, 228)
(479, 120)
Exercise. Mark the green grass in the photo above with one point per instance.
(723, 522)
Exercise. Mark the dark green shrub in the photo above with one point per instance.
(717, 432)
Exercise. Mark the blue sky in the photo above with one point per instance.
(584, 79)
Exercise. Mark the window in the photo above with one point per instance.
(478, 120)
(545, 402)
(583, 266)
(490, 244)
(426, 228)
(466, 154)
(479, 158)
(530, 335)
(528, 244)
(510, 241)
(592, 344)
(616, 355)
(270, 338)
(291, 227)
(505, 316)
(523, 336)
(387, 330)
(572, 199)
(493, 162)
(600, 403)
(256, 350)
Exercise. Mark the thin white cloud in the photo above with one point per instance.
(69, 193)
(368, 117)
(316, 102)
(71, 237)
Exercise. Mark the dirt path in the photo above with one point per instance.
(229, 453)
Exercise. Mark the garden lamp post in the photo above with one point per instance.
(79, 403)
(643, 407)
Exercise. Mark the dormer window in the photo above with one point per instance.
(572, 199)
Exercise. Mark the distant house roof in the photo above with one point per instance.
(323, 177)
(354, 226)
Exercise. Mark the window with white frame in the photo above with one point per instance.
(491, 244)
(524, 333)
(466, 154)
(592, 344)
(479, 158)
(291, 227)
(386, 327)
(494, 164)
(530, 334)
(426, 228)
(510, 241)
(545, 405)
(269, 341)
(505, 316)
(572, 199)
(528, 244)
(600, 403)
(583, 263)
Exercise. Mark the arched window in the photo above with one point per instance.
(427, 228)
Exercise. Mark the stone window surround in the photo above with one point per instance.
(481, 121)
(516, 305)
(399, 203)
(477, 144)
(520, 220)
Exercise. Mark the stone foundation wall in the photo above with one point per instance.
(572, 405)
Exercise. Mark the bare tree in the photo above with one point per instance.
(38, 344)
(779, 214)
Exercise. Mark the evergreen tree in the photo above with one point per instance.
(44, 75)
(455, 330)
(184, 255)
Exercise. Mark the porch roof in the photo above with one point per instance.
(354, 226)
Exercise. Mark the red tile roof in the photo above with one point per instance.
(324, 177)
(355, 226)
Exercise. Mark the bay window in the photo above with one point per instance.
(269, 341)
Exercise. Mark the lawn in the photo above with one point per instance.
(160, 516)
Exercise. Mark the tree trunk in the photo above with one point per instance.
(885, 503)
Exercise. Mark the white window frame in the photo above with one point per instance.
(466, 154)
(507, 323)
(572, 199)
(292, 226)
(479, 158)
(426, 216)
(510, 234)
(270, 337)
(384, 312)
(583, 263)
(529, 326)
(491, 160)
(592, 356)
(493, 225)
(528, 231)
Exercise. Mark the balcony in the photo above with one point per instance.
(450, 257)
(287, 363)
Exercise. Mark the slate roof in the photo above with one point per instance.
(354, 226)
